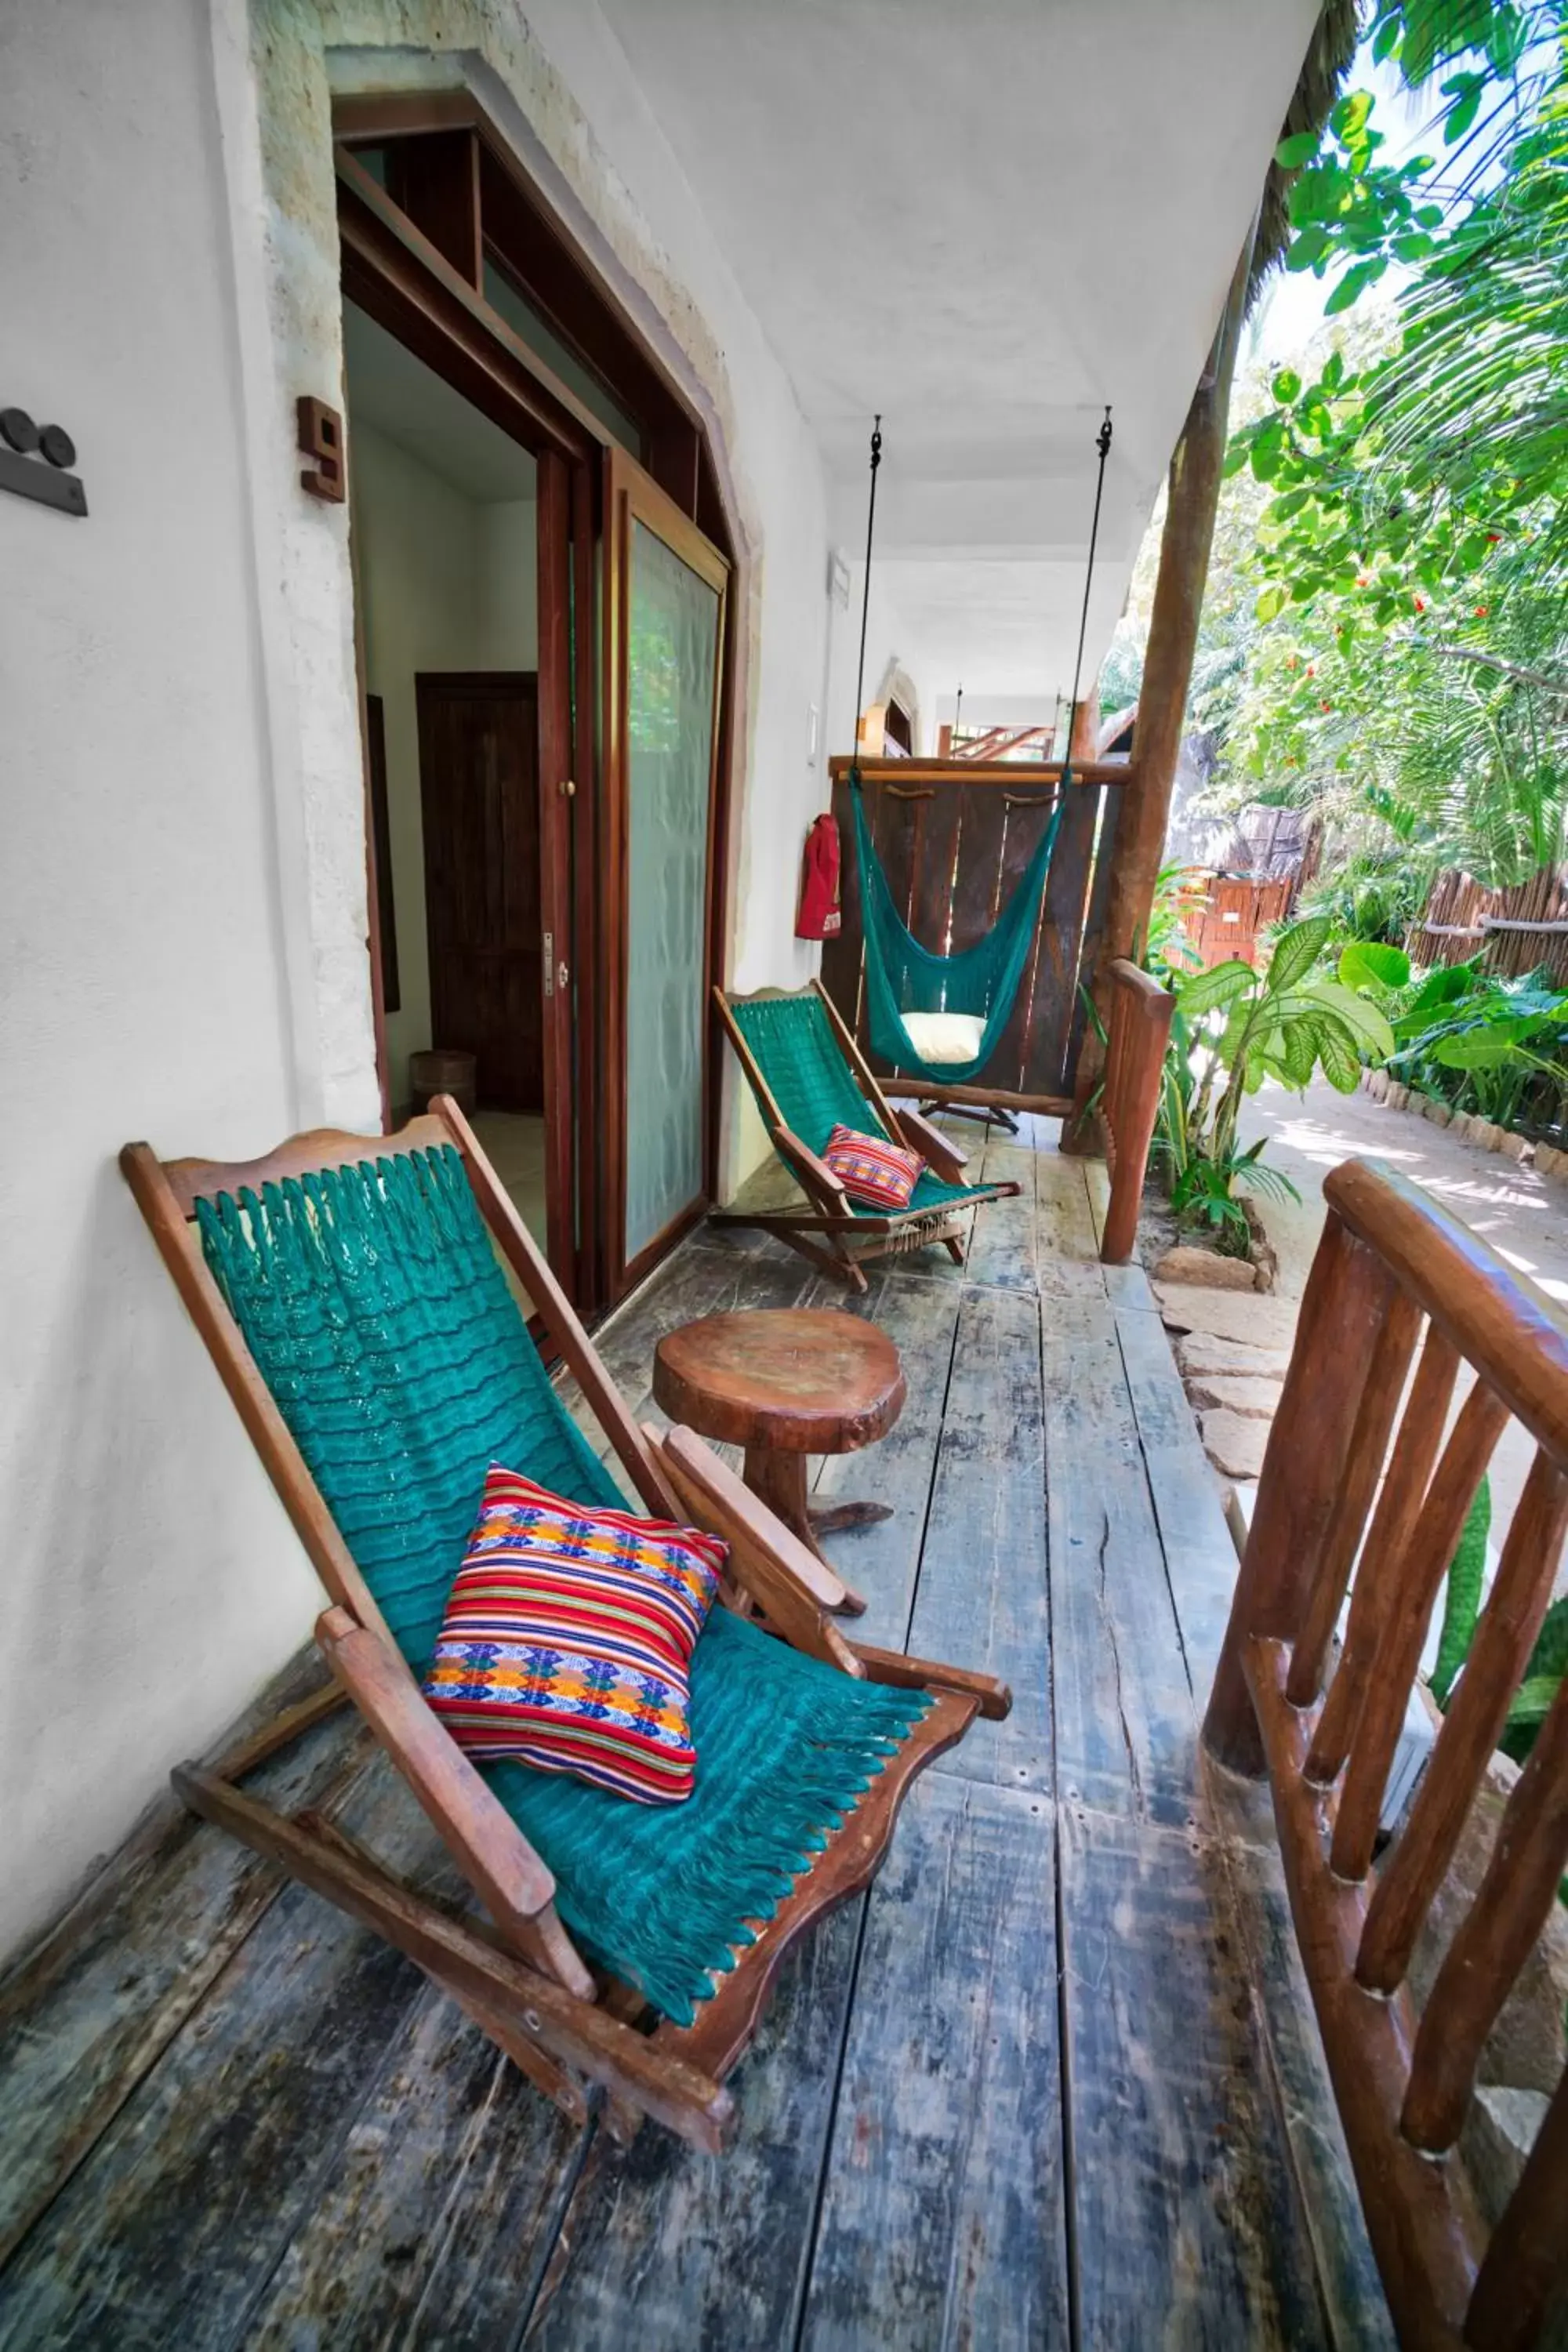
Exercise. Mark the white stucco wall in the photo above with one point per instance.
(150, 1583)
(182, 902)
(507, 623)
(559, 87)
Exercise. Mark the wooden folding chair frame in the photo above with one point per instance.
(830, 1214)
(518, 1974)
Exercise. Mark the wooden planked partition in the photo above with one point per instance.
(955, 838)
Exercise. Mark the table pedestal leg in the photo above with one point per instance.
(778, 1478)
(832, 1518)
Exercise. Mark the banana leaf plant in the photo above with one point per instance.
(1236, 1025)
(1493, 1045)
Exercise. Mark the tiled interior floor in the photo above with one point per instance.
(514, 1145)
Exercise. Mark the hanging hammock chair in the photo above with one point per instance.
(941, 1017)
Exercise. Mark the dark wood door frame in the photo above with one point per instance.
(557, 793)
(399, 274)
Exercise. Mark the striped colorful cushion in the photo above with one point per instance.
(568, 1638)
(872, 1170)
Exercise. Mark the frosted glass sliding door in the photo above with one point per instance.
(673, 585)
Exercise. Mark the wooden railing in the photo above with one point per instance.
(1356, 1465)
(1141, 1013)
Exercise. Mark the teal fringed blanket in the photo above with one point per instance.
(373, 1302)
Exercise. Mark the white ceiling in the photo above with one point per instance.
(984, 219)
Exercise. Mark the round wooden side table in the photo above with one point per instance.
(786, 1382)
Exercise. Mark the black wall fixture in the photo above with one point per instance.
(36, 462)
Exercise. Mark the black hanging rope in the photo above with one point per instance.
(865, 592)
(1102, 443)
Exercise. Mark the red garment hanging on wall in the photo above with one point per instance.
(818, 917)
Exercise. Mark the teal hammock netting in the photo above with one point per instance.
(902, 976)
(379, 1316)
(805, 1070)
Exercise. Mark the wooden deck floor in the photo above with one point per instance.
(1017, 2096)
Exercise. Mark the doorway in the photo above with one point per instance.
(479, 783)
(451, 262)
(478, 790)
(447, 546)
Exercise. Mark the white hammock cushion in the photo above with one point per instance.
(945, 1036)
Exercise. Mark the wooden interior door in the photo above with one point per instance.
(478, 787)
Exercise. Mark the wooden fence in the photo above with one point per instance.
(1514, 930)
(1222, 914)
(955, 838)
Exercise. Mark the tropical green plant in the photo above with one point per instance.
(1204, 1191)
(1410, 669)
(1285, 1022)
(1236, 1025)
(1548, 1662)
(1168, 953)
(1370, 898)
(1494, 1045)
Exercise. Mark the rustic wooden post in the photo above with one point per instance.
(1193, 501)
(1084, 737)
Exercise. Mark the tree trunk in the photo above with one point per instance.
(1193, 499)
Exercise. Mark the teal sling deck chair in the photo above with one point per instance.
(809, 1075)
(350, 1290)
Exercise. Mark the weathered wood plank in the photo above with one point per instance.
(694, 1281)
(882, 1561)
(1067, 1247)
(669, 2248)
(1126, 1728)
(943, 2219)
(1200, 1558)
(1002, 1251)
(1129, 1285)
(435, 2222)
(1330, 2205)
(1185, 2231)
(1066, 1223)
(981, 1599)
(84, 2020)
(177, 2217)
(1096, 1189)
